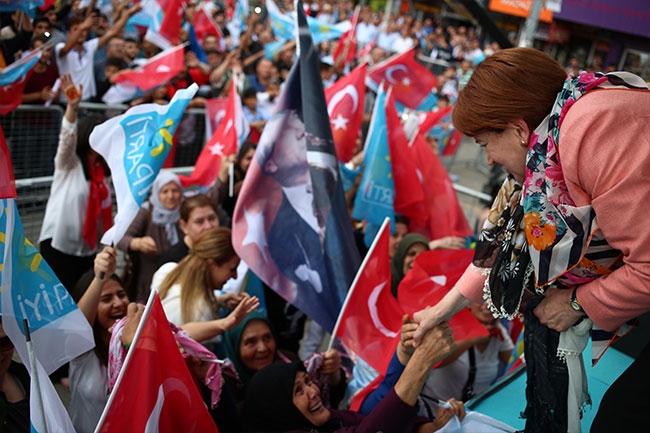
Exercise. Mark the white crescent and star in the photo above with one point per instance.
(374, 314)
(217, 149)
(439, 279)
(341, 122)
(391, 70)
(170, 384)
(218, 116)
(338, 96)
(163, 68)
(228, 126)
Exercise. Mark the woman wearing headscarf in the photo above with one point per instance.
(283, 397)
(153, 231)
(252, 345)
(566, 240)
(407, 250)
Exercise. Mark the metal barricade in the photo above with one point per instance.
(436, 66)
(32, 134)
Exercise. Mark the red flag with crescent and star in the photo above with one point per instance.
(204, 24)
(441, 206)
(13, 79)
(156, 388)
(411, 81)
(158, 70)
(345, 104)
(346, 47)
(371, 319)
(433, 274)
(215, 111)
(409, 194)
(223, 142)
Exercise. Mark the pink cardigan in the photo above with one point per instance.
(605, 155)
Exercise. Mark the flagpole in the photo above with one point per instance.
(129, 354)
(231, 178)
(296, 5)
(373, 116)
(346, 49)
(354, 283)
(35, 377)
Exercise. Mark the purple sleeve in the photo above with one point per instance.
(390, 415)
(394, 371)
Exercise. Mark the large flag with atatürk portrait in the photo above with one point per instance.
(291, 224)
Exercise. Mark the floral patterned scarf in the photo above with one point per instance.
(563, 237)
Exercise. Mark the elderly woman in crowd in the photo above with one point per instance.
(153, 231)
(252, 345)
(283, 397)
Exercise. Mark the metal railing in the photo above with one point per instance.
(32, 134)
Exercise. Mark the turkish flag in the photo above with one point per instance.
(170, 27)
(441, 205)
(156, 72)
(432, 276)
(366, 50)
(371, 320)
(215, 111)
(432, 118)
(204, 24)
(46, 4)
(156, 391)
(12, 95)
(7, 180)
(454, 141)
(345, 103)
(409, 194)
(346, 47)
(223, 142)
(411, 81)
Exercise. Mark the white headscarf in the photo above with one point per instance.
(160, 215)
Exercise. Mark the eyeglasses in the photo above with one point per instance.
(6, 344)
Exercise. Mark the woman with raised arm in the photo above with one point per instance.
(188, 291)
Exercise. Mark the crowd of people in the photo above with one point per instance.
(180, 244)
(94, 47)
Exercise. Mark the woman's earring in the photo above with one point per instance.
(523, 143)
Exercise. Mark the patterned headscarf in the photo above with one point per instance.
(397, 262)
(160, 215)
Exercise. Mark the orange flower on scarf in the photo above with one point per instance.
(539, 235)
